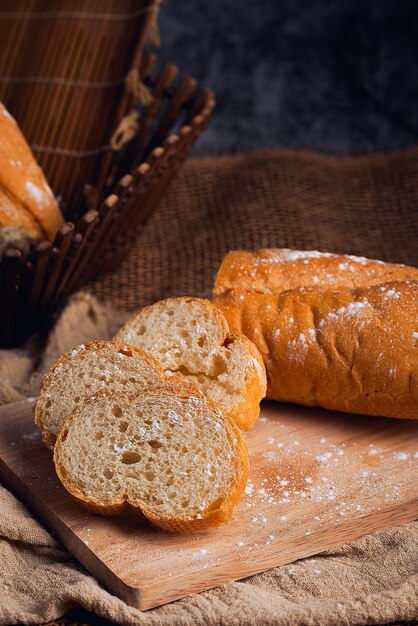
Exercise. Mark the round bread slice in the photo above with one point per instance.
(86, 370)
(169, 454)
(191, 338)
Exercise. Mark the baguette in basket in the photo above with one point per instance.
(28, 209)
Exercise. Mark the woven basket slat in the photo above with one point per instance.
(9, 286)
(79, 243)
(181, 95)
(62, 77)
(60, 250)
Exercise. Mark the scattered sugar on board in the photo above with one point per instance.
(315, 471)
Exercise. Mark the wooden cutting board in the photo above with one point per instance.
(318, 479)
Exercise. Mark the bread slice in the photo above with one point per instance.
(191, 338)
(168, 454)
(86, 370)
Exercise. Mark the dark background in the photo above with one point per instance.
(338, 76)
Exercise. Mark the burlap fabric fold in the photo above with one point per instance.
(365, 206)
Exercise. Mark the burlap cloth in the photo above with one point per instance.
(364, 205)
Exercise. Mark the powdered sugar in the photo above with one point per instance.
(38, 195)
(78, 349)
(348, 311)
(400, 456)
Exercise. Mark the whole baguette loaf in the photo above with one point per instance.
(168, 454)
(272, 270)
(28, 209)
(353, 350)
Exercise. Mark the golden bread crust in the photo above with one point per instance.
(14, 213)
(247, 411)
(353, 350)
(272, 270)
(24, 180)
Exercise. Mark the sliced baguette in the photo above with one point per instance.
(190, 337)
(86, 370)
(168, 454)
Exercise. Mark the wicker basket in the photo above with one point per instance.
(33, 287)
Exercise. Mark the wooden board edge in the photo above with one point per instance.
(102, 573)
(347, 532)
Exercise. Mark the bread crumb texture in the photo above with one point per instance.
(169, 454)
(191, 339)
(87, 370)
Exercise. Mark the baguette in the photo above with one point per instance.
(275, 270)
(81, 373)
(28, 209)
(191, 339)
(353, 350)
(168, 455)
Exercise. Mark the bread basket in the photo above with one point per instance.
(153, 125)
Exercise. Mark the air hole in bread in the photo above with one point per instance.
(48, 403)
(107, 473)
(99, 435)
(133, 380)
(130, 457)
(77, 399)
(155, 444)
(117, 411)
(123, 426)
(182, 369)
(185, 503)
(125, 352)
(149, 475)
(220, 366)
(227, 342)
(201, 341)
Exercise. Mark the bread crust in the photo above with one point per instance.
(214, 515)
(92, 346)
(272, 270)
(14, 213)
(24, 180)
(246, 413)
(353, 350)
